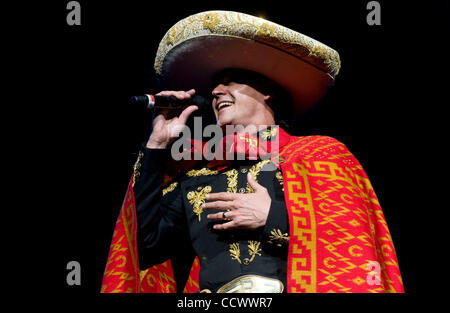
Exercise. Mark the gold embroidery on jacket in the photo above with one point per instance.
(170, 188)
(253, 250)
(253, 246)
(253, 142)
(278, 238)
(201, 172)
(136, 168)
(197, 199)
(254, 170)
(232, 180)
(269, 133)
(279, 176)
(235, 252)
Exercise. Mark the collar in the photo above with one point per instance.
(263, 144)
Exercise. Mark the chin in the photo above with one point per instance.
(225, 121)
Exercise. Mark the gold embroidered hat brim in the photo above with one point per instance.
(201, 45)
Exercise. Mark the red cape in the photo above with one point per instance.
(339, 239)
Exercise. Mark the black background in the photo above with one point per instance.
(384, 107)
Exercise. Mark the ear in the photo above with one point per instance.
(268, 98)
(269, 92)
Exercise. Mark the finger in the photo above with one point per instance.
(229, 225)
(253, 183)
(177, 94)
(166, 93)
(215, 216)
(219, 216)
(186, 113)
(218, 205)
(227, 196)
(184, 94)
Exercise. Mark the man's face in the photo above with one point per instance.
(237, 102)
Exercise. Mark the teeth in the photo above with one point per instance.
(224, 104)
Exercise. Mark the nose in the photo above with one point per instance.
(219, 90)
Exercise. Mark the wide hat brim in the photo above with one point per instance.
(198, 47)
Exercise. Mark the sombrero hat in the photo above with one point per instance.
(196, 48)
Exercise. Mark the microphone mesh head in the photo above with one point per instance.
(139, 100)
(201, 102)
(204, 111)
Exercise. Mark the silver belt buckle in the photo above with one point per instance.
(252, 284)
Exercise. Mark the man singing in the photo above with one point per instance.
(296, 216)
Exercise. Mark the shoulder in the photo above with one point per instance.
(316, 144)
(318, 147)
(318, 153)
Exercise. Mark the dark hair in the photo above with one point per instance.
(281, 102)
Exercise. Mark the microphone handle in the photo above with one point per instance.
(169, 102)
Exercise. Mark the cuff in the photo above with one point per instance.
(149, 161)
(152, 159)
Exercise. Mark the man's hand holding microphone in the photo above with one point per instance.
(166, 126)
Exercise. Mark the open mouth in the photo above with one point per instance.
(223, 105)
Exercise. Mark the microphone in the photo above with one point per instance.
(169, 102)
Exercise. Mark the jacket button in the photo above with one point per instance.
(246, 261)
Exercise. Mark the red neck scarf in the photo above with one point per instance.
(264, 144)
